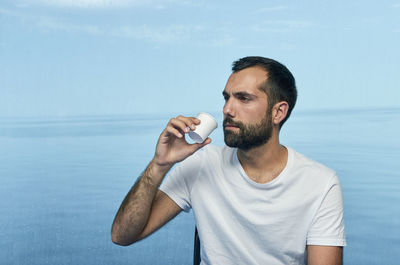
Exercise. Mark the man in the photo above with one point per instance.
(255, 201)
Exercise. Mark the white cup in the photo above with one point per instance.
(204, 129)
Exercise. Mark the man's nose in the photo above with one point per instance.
(228, 108)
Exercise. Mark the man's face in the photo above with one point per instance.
(247, 121)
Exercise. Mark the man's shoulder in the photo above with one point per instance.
(303, 163)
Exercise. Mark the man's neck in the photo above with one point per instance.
(264, 163)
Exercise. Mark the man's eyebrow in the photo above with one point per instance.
(239, 94)
(244, 94)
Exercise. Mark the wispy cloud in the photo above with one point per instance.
(196, 34)
(172, 33)
(159, 4)
(221, 41)
(282, 26)
(93, 3)
(160, 34)
(156, 34)
(54, 24)
(8, 12)
(50, 23)
(177, 33)
(271, 9)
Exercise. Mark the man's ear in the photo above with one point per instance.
(279, 112)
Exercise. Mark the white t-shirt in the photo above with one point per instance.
(243, 222)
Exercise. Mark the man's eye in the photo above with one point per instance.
(244, 98)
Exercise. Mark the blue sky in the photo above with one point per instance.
(110, 57)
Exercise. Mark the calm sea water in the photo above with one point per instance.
(62, 180)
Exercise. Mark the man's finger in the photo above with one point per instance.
(190, 122)
(201, 145)
(174, 131)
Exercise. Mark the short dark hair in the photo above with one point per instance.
(280, 84)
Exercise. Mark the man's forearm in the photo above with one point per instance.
(134, 211)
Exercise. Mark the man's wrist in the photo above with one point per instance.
(155, 173)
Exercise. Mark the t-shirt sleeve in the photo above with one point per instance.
(327, 228)
(179, 182)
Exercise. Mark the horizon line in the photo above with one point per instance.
(163, 114)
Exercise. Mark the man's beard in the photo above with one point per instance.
(249, 136)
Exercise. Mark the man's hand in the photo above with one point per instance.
(172, 146)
